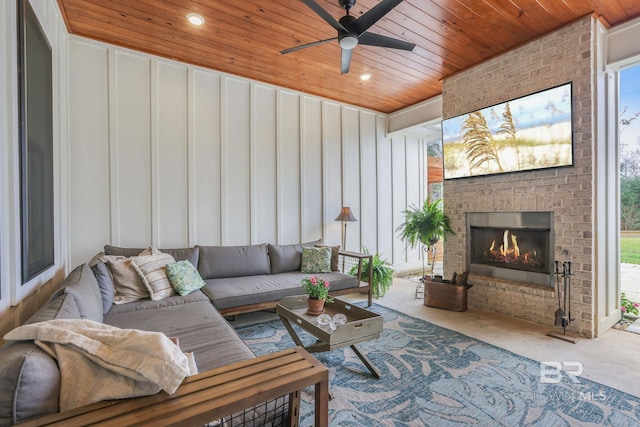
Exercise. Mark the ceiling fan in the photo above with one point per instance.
(353, 31)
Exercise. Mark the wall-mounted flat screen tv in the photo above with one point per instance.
(531, 132)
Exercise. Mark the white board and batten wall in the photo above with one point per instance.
(171, 155)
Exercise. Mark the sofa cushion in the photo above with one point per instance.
(199, 326)
(233, 261)
(312, 244)
(238, 291)
(285, 258)
(190, 254)
(129, 252)
(184, 254)
(29, 382)
(105, 282)
(61, 307)
(83, 286)
(127, 282)
(316, 260)
(153, 272)
(184, 277)
(125, 252)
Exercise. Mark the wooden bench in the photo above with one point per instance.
(212, 395)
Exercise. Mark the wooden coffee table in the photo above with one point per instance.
(361, 325)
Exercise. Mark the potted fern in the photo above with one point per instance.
(382, 276)
(425, 225)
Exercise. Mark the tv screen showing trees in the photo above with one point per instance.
(531, 132)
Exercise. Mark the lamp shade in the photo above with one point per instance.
(346, 215)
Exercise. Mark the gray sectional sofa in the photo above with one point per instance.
(238, 279)
(242, 279)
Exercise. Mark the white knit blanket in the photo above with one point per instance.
(100, 362)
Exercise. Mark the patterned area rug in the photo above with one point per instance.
(432, 376)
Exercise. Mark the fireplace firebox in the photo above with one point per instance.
(514, 246)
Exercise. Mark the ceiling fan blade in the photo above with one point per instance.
(346, 60)
(374, 14)
(303, 46)
(324, 15)
(373, 39)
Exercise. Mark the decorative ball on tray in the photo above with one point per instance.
(334, 322)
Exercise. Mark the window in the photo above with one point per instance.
(36, 144)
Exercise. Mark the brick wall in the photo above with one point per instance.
(563, 56)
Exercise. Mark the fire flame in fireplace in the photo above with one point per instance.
(509, 251)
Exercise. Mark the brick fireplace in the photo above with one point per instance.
(567, 193)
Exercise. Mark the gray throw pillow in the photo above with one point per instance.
(108, 291)
(105, 282)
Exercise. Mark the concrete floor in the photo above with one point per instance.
(630, 281)
(610, 360)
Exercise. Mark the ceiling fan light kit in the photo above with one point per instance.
(353, 31)
(348, 42)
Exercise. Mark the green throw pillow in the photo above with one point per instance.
(316, 260)
(184, 277)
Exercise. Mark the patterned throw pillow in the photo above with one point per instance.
(153, 272)
(335, 255)
(184, 277)
(316, 260)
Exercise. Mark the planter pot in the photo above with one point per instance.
(316, 306)
(444, 295)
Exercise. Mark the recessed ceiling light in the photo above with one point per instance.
(365, 76)
(195, 19)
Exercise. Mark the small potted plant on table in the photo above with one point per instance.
(317, 289)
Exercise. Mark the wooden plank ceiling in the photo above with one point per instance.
(245, 37)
